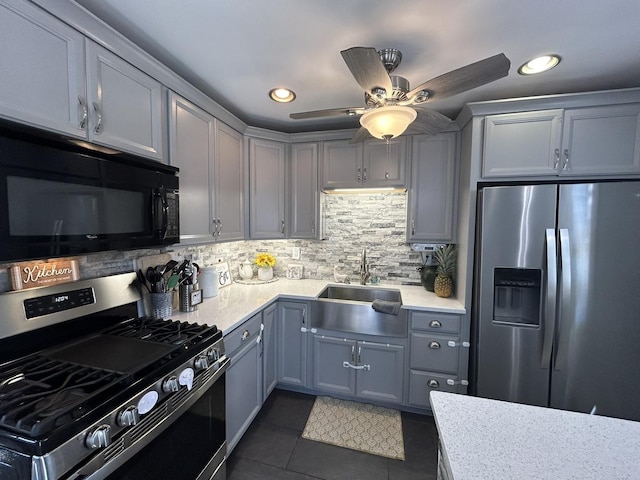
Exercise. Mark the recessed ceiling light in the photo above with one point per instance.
(539, 64)
(282, 95)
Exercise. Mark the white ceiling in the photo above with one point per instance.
(235, 51)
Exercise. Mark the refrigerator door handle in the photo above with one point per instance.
(565, 289)
(550, 301)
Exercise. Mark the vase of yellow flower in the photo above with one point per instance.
(265, 263)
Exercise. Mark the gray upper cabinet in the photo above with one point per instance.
(126, 105)
(54, 78)
(432, 194)
(368, 165)
(266, 189)
(210, 157)
(601, 140)
(303, 205)
(43, 74)
(191, 148)
(229, 180)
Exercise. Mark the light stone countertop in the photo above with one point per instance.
(238, 302)
(488, 439)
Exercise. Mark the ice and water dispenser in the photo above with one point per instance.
(517, 296)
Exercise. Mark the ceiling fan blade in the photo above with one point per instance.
(331, 112)
(465, 78)
(367, 68)
(360, 136)
(429, 122)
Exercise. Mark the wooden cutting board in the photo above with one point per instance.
(150, 261)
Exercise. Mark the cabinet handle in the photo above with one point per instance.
(356, 367)
(85, 113)
(565, 165)
(359, 354)
(557, 160)
(386, 175)
(435, 324)
(214, 227)
(358, 176)
(219, 227)
(313, 226)
(245, 335)
(98, 127)
(413, 227)
(353, 353)
(304, 316)
(433, 383)
(434, 345)
(282, 229)
(364, 175)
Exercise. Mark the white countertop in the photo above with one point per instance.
(237, 302)
(487, 439)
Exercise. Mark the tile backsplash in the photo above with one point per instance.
(375, 221)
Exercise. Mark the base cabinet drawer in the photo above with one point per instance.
(422, 383)
(435, 352)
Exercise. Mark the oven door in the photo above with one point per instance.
(188, 444)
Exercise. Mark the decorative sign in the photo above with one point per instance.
(43, 273)
(223, 274)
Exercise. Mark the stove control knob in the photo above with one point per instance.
(202, 362)
(99, 438)
(129, 416)
(170, 384)
(213, 354)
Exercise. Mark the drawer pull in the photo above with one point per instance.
(434, 345)
(433, 383)
(245, 335)
(435, 324)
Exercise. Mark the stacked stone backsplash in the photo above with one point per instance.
(375, 221)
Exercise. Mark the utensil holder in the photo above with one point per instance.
(185, 292)
(162, 305)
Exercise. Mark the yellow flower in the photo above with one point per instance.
(265, 260)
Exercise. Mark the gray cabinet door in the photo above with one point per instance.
(269, 363)
(382, 377)
(432, 195)
(341, 164)
(191, 150)
(522, 144)
(304, 200)
(292, 343)
(266, 189)
(243, 391)
(229, 182)
(330, 374)
(601, 140)
(43, 73)
(125, 105)
(384, 165)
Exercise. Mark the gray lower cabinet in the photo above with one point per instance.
(269, 349)
(358, 368)
(432, 193)
(599, 140)
(436, 356)
(244, 382)
(291, 331)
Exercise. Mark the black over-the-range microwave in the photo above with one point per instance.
(59, 199)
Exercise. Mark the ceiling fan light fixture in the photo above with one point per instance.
(539, 64)
(282, 95)
(388, 122)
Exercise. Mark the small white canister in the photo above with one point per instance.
(208, 281)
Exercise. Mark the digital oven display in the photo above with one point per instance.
(48, 304)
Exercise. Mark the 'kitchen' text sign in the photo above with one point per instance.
(39, 273)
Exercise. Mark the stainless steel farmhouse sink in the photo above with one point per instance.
(348, 308)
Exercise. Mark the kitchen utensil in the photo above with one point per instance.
(172, 281)
(142, 281)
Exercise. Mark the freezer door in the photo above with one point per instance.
(511, 290)
(598, 351)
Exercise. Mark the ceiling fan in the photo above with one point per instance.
(391, 106)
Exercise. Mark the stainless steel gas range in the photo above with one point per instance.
(88, 390)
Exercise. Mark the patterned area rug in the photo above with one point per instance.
(359, 426)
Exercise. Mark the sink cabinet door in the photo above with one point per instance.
(291, 332)
(382, 377)
(330, 374)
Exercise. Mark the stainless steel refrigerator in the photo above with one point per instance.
(556, 314)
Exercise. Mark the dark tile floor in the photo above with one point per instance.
(273, 448)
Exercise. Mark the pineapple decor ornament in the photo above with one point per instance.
(446, 257)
